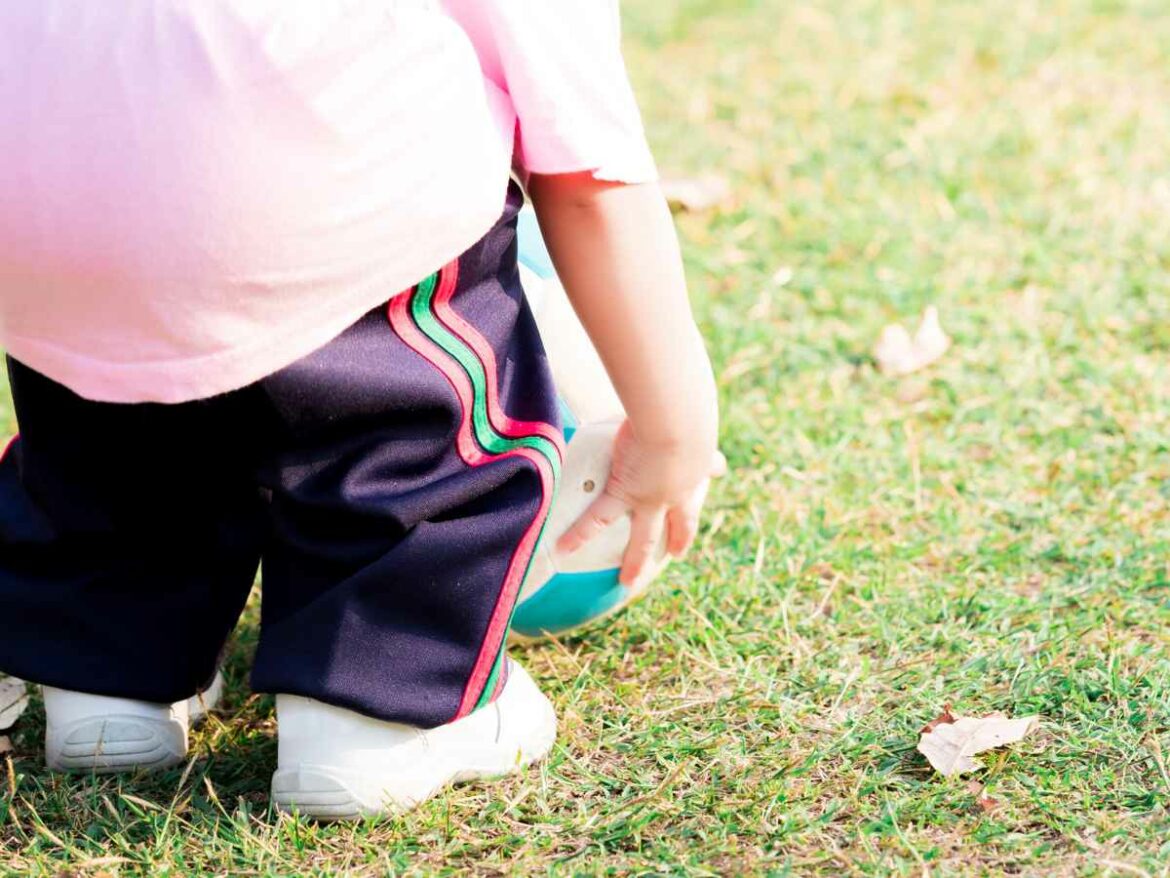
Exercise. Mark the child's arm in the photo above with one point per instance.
(615, 249)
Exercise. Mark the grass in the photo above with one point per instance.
(993, 533)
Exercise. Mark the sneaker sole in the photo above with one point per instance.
(118, 743)
(323, 793)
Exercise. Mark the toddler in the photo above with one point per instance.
(259, 292)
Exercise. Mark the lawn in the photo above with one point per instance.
(992, 532)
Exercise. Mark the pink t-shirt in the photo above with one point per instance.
(196, 193)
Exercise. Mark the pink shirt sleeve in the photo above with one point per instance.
(560, 64)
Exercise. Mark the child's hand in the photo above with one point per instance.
(660, 488)
(617, 254)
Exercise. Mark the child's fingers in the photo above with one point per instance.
(602, 512)
(645, 535)
(682, 522)
(681, 526)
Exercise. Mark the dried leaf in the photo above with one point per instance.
(13, 701)
(950, 747)
(897, 353)
(945, 717)
(5, 745)
(987, 804)
(695, 193)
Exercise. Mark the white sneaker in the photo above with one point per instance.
(95, 733)
(334, 764)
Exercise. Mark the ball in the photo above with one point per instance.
(564, 593)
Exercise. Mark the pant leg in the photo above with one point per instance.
(129, 539)
(419, 461)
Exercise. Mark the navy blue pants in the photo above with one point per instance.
(393, 485)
